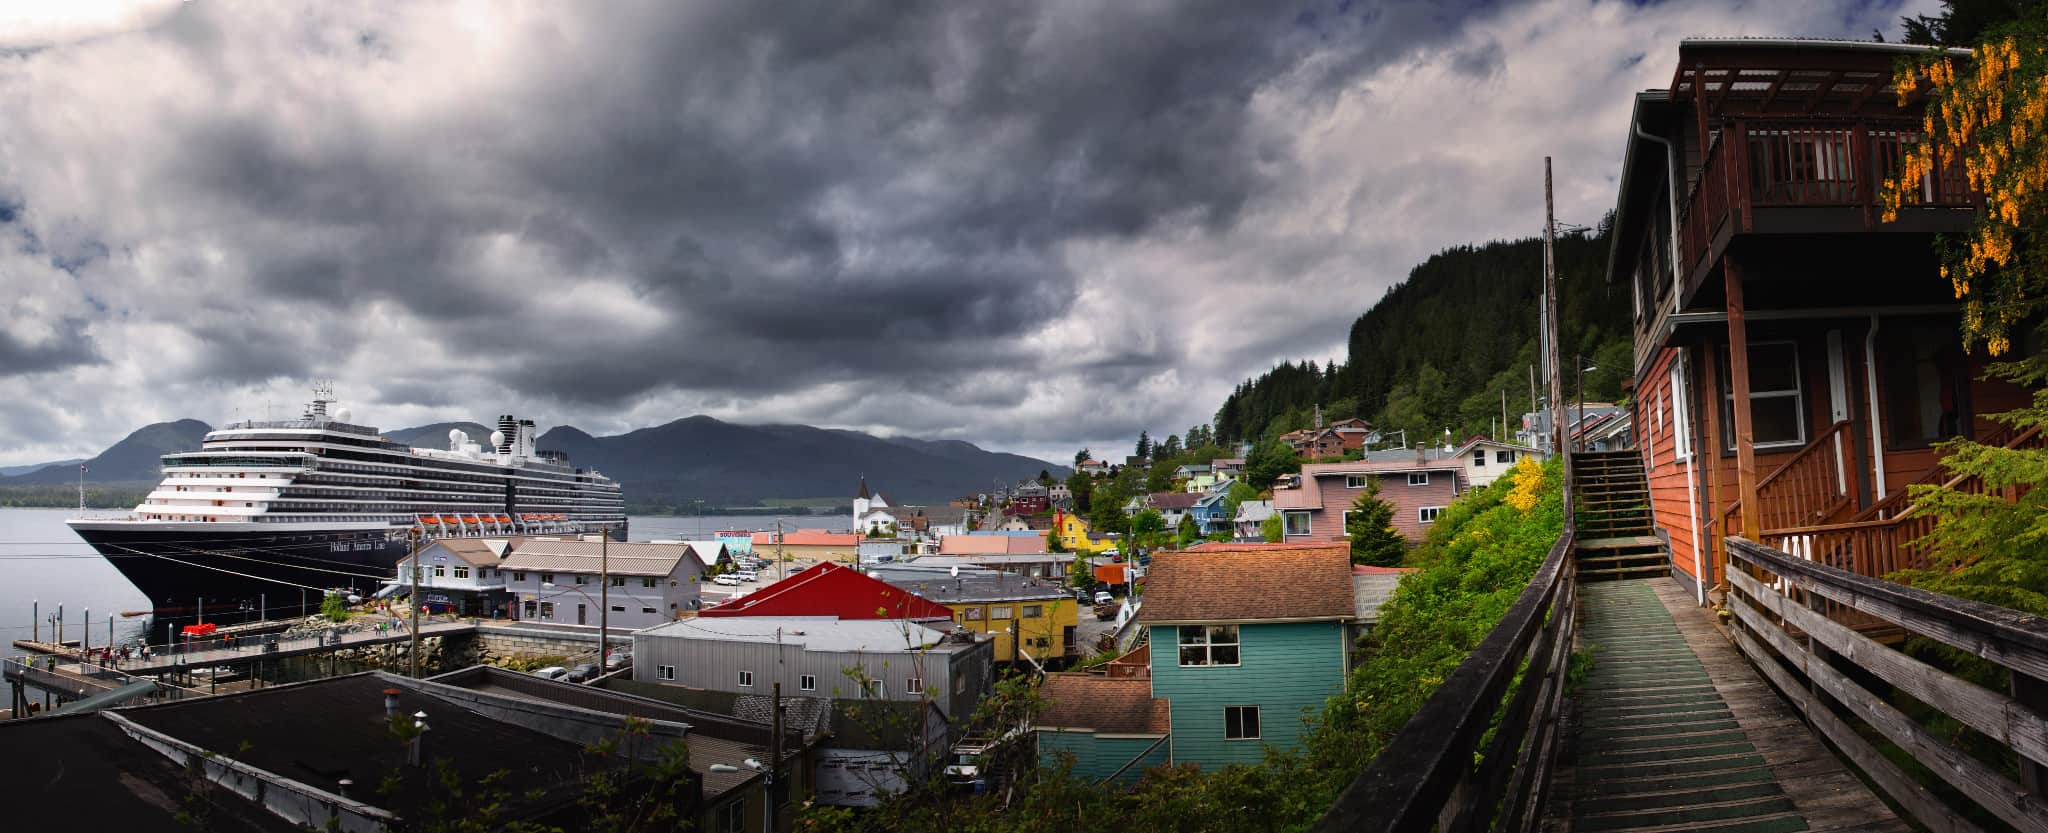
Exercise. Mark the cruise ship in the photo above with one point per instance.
(266, 516)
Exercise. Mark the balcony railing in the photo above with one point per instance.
(1812, 164)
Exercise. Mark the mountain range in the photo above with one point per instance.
(670, 467)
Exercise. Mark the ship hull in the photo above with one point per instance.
(232, 576)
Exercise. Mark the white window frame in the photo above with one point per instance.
(1415, 474)
(1428, 514)
(1356, 481)
(667, 672)
(1307, 523)
(916, 685)
(1258, 723)
(997, 613)
(1797, 393)
(875, 689)
(1504, 456)
(746, 679)
(1208, 643)
(1681, 439)
(807, 682)
(1479, 458)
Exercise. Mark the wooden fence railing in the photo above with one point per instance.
(1805, 490)
(1828, 669)
(1427, 779)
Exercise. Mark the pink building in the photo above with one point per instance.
(1313, 508)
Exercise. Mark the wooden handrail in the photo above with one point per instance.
(2003, 438)
(1804, 455)
(1796, 618)
(1426, 776)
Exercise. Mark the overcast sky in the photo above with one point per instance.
(1032, 226)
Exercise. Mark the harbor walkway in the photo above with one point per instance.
(1676, 732)
(251, 649)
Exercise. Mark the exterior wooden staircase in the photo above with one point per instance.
(1616, 537)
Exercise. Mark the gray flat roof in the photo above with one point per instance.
(972, 585)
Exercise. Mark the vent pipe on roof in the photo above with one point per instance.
(391, 702)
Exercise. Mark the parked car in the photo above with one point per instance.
(582, 673)
(1102, 597)
(1105, 612)
(620, 658)
(728, 580)
(747, 575)
(552, 672)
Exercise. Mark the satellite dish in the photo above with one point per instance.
(497, 438)
(341, 414)
(456, 438)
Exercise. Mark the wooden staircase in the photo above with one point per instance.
(1616, 537)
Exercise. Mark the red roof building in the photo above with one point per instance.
(832, 589)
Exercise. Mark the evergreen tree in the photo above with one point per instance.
(1171, 447)
(1144, 446)
(1370, 526)
(1081, 456)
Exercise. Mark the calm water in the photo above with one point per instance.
(42, 561)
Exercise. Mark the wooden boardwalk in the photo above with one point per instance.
(1675, 731)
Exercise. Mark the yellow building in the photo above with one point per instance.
(1073, 534)
(993, 602)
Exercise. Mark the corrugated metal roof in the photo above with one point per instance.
(630, 559)
(816, 633)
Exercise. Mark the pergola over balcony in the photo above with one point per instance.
(1798, 141)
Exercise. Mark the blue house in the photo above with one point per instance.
(1207, 512)
(1244, 641)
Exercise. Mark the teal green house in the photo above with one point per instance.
(1245, 640)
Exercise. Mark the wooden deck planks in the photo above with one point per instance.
(1674, 731)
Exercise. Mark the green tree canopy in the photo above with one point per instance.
(1270, 459)
(1370, 526)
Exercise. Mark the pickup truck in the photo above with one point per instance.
(1106, 612)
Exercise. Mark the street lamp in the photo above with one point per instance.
(1582, 398)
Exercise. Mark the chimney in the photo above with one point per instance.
(390, 702)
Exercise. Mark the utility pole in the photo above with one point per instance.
(604, 595)
(412, 541)
(774, 763)
(1550, 350)
(781, 571)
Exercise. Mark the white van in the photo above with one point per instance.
(747, 575)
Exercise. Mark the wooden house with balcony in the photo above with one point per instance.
(1795, 356)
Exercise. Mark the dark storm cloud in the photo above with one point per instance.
(67, 346)
(1016, 223)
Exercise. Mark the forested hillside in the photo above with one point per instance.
(1439, 349)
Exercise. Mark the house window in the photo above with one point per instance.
(462, 572)
(873, 688)
(647, 582)
(807, 682)
(668, 672)
(1777, 406)
(1503, 456)
(545, 578)
(1000, 612)
(1355, 481)
(1479, 457)
(1926, 385)
(1427, 514)
(618, 608)
(582, 579)
(1296, 522)
(747, 679)
(647, 610)
(916, 685)
(1208, 645)
(526, 608)
(1033, 611)
(1418, 478)
(730, 817)
(440, 570)
(1240, 722)
(970, 614)
(547, 610)
(1681, 441)
(618, 581)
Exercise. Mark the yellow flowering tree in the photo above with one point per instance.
(1987, 113)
